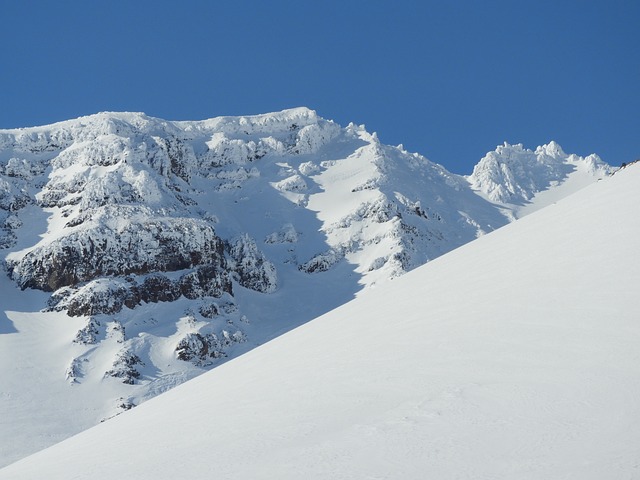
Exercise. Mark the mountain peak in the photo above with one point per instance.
(158, 249)
(551, 149)
(513, 175)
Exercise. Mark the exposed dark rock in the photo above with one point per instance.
(200, 349)
(193, 347)
(180, 157)
(125, 405)
(250, 267)
(208, 309)
(100, 296)
(167, 245)
(110, 296)
(158, 288)
(124, 367)
(321, 262)
(205, 281)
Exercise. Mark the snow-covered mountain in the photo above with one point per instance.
(140, 252)
(515, 356)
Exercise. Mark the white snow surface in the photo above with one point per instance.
(514, 356)
(312, 215)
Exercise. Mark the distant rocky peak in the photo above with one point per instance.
(512, 174)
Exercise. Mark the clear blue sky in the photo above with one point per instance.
(450, 80)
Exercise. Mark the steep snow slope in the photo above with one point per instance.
(515, 356)
(165, 248)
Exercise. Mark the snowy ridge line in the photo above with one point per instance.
(270, 123)
(628, 164)
(278, 122)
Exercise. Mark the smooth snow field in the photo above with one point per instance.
(515, 356)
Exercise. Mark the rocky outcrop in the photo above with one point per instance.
(250, 267)
(200, 349)
(155, 245)
(110, 295)
(124, 367)
(514, 174)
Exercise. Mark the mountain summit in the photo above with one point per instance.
(141, 252)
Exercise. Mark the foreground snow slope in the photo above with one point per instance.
(515, 356)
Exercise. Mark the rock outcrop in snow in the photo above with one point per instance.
(512, 174)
